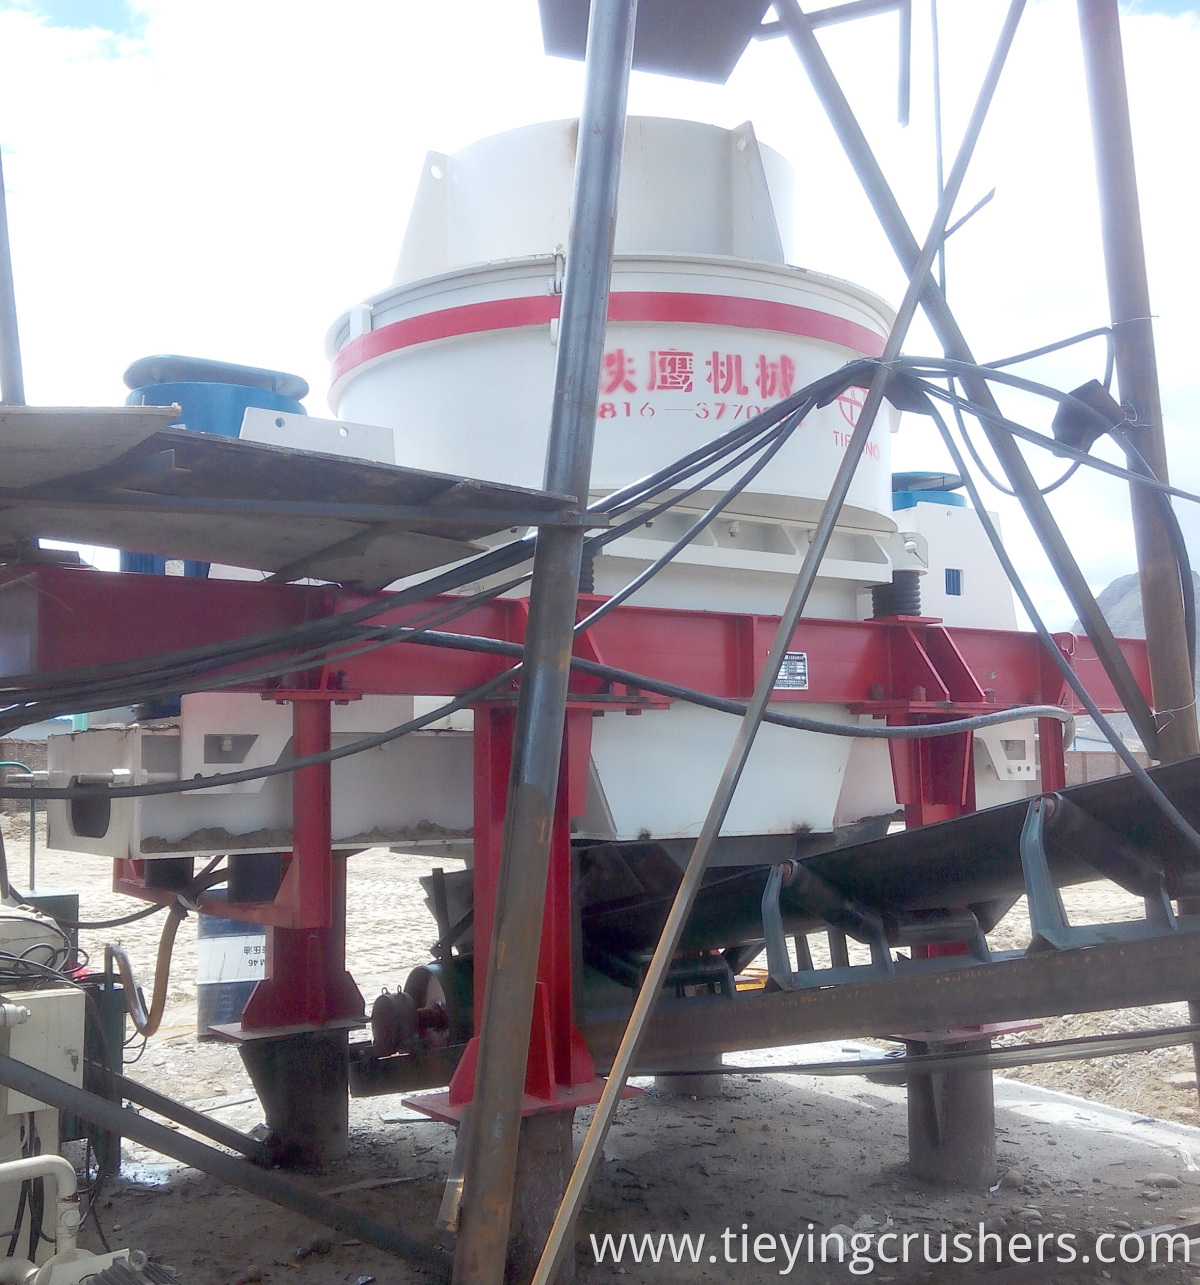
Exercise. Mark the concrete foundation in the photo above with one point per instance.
(544, 1162)
(692, 1086)
(303, 1082)
(952, 1122)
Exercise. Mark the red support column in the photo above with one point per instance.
(934, 779)
(493, 739)
(294, 1031)
(307, 984)
(1051, 755)
(558, 1058)
(573, 1063)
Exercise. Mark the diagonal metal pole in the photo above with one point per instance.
(800, 32)
(494, 1126)
(12, 382)
(656, 971)
(1137, 373)
(1137, 377)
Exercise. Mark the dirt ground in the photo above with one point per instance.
(774, 1153)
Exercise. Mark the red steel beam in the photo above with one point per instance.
(54, 619)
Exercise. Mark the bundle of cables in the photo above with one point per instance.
(260, 658)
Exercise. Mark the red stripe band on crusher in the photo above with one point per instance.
(731, 311)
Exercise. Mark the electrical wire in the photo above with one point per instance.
(100, 924)
(109, 685)
(1169, 810)
(1061, 448)
(765, 433)
(146, 1020)
(1139, 470)
(1057, 346)
(957, 406)
(1030, 435)
(706, 519)
(103, 686)
(409, 633)
(501, 647)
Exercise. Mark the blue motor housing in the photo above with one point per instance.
(213, 396)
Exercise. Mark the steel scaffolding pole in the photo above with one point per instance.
(1137, 375)
(656, 971)
(1171, 676)
(493, 1129)
(800, 32)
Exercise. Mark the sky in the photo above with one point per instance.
(223, 178)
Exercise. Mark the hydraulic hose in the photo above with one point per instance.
(147, 1021)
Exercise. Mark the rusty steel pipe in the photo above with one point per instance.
(1137, 374)
(904, 244)
(494, 1127)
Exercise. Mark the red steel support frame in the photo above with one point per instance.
(307, 984)
(901, 669)
(559, 1062)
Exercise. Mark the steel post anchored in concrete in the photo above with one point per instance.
(952, 1121)
(895, 227)
(494, 1124)
(656, 970)
(1171, 675)
(1137, 375)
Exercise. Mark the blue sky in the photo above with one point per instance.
(224, 178)
(116, 16)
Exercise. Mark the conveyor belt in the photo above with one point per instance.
(973, 860)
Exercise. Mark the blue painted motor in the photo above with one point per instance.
(911, 489)
(214, 396)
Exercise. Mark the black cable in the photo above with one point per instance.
(679, 497)
(188, 682)
(279, 769)
(1061, 448)
(501, 647)
(1045, 349)
(820, 391)
(98, 924)
(1172, 813)
(49, 694)
(957, 405)
(941, 366)
(485, 564)
(277, 640)
(50, 923)
(37, 1197)
(158, 682)
(1062, 481)
(179, 671)
(780, 438)
(22, 1201)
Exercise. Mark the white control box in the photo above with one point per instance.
(51, 1040)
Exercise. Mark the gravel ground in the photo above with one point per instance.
(772, 1153)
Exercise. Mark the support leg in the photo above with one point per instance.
(698, 1085)
(544, 1159)
(302, 1076)
(303, 1083)
(952, 1123)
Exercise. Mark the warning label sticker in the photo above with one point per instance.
(231, 959)
(793, 674)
